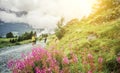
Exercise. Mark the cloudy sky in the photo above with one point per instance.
(43, 13)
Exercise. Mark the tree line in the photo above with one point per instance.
(25, 36)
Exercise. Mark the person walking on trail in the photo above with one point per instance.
(45, 39)
(34, 39)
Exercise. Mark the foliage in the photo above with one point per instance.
(13, 40)
(43, 36)
(60, 31)
(25, 36)
(103, 5)
(9, 35)
(104, 11)
(55, 61)
(5, 42)
(98, 55)
(104, 28)
(23, 39)
(43, 61)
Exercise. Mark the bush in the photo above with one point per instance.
(13, 40)
(43, 61)
(59, 33)
(9, 35)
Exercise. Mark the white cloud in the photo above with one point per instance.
(10, 17)
(45, 13)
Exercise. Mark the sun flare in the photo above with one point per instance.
(87, 6)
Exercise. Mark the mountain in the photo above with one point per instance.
(1, 21)
(18, 28)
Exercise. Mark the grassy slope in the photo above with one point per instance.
(107, 43)
(76, 35)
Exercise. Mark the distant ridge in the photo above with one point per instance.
(1, 21)
(20, 28)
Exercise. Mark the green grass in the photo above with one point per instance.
(4, 42)
(107, 43)
(25, 41)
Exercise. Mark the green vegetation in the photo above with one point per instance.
(59, 32)
(43, 36)
(99, 35)
(93, 43)
(9, 35)
(26, 36)
(105, 11)
(12, 41)
(5, 42)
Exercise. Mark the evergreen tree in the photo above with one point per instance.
(9, 35)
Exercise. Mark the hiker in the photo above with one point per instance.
(45, 39)
(34, 39)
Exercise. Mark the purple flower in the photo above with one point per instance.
(89, 71)
(100, 59)
(23, 55)
(37, 70)
(65, 60)
(29, 61)
(10, 63)
(19, 64)
(61, 71)
(90, 56)
(118, 59)
(75, 59)
(49, 70)
(50, 60)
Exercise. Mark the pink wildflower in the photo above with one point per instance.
(20, 64)
(61, 71)
(29, 61)
(118, 59)
(49, 70)
(90, 56)
(89, 71)
(37, 70)
(100, 59)
(65, 60)
(75, 59)
(23, 55)
(10, 63)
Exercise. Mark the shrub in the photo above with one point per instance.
(9, 35)
(59, 33)
(43, 61)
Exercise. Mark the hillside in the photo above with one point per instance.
(87, 45)
(98, 35)
(18, 28)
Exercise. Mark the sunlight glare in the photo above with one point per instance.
(87, 6)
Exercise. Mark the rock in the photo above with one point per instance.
(91, 37)
(78, 30)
